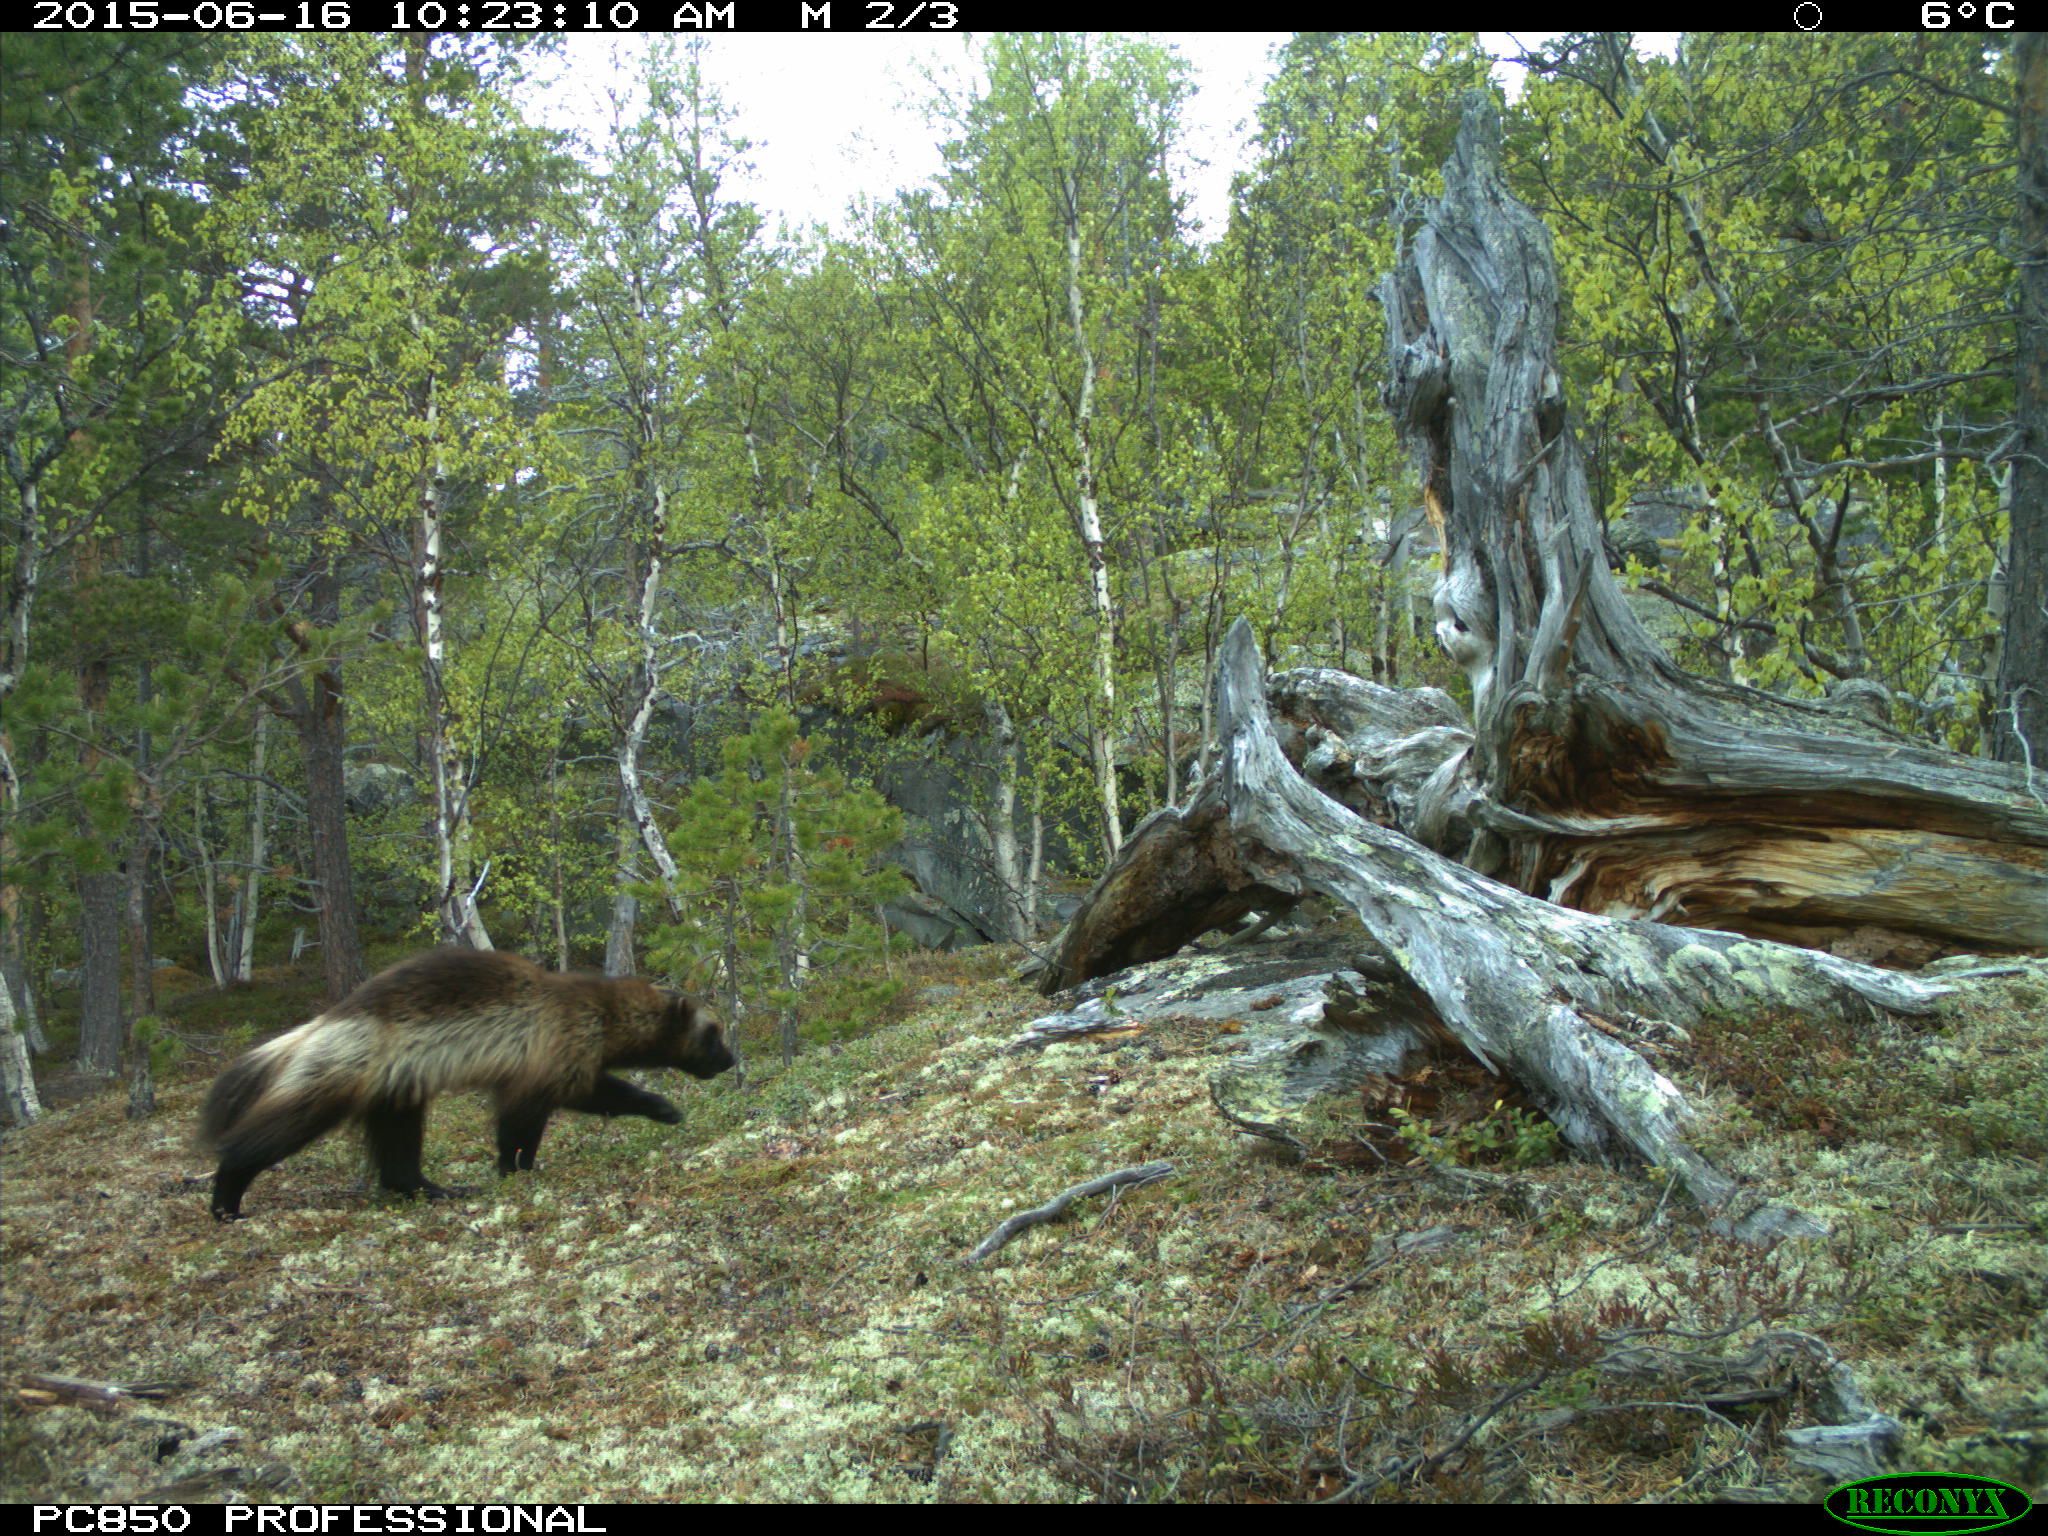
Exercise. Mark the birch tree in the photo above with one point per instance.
(1056, 206)
(653, 255)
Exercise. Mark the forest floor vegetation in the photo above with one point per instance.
(770, 1303)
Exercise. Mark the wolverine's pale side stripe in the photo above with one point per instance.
(442, 1022)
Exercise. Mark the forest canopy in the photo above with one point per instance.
(419, 524)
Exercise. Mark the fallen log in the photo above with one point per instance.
(1537, 992)
(102, 1393)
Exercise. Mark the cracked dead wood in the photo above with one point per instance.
(1053, 1209)
(1597, 772)
(1519, 982)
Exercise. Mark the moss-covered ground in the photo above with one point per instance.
(770, 1301)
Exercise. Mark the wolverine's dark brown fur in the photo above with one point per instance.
(447, 1020)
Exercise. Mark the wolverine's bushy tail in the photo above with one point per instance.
(234, 1093)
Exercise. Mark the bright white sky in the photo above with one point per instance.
(830, 118)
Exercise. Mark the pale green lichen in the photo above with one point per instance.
(768, 1303)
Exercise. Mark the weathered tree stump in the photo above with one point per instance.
(1538, 992)
(1600, 774)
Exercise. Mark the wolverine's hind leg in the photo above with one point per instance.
(520, 1127)
(393, 1134)
(262, 1142)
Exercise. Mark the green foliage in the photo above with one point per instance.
(152, 1034)
(262, 293)
(777, 854)
(1821, 368)
(1513, 1137)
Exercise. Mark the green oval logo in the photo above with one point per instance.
(1913, 1502)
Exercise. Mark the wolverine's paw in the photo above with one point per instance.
(427, 1191)
(665, 1113)
(225, 1215)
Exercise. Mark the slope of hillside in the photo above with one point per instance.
(770, 1301)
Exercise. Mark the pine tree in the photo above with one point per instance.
(754, 901)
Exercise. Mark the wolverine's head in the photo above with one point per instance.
(695, 1042)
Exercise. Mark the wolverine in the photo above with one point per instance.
(447, 1020)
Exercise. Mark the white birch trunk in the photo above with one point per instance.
(1002, 821)
(18, 1097)
(1730, 643)
(1940, 482)
(1034, 876)
(459, 923)
(209, 897)
(633, 789)
(13, 658)
(1102, 725)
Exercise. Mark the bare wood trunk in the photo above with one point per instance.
(1555, 998)
(1595, 770)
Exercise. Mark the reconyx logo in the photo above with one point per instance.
(1946, 1502)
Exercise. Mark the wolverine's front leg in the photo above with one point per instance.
(615, 1096)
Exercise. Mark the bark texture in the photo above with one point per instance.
(1595, 773)
(100, 1025)
(19, 1102)
(2019, 729)
(318, 709)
